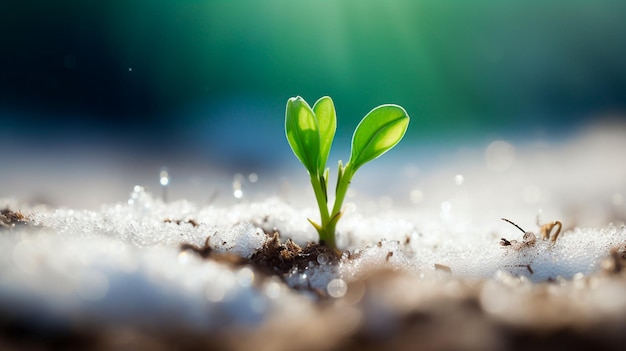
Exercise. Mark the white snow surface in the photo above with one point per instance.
(123, 264)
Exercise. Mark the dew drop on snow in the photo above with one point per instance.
(322, 259)
(337, 288)
(135, 194)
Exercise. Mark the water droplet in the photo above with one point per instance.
(302, 279)
(253, 177)
(337, 288)
(322, 259)
(499, 156)
(238, 186)
(215, 293)
(245, 277)
(164, 177)
(458, 179)
(221, 287)
(273, 290)
(184, 257)
(136, 194)
(238, 193)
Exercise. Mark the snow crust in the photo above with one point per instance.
(123, 264)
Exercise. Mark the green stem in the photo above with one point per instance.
(321, 198)
(342, 189)
(328, 226)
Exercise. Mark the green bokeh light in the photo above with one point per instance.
(458, 67)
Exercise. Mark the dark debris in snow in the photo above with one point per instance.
(10, 219)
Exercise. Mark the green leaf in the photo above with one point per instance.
(324, 110)
(379, 131)
(315, 225)
(302, 131)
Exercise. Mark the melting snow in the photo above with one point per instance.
(123, 263)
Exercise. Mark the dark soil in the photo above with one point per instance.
(275, 258)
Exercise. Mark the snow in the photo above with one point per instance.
(123, 264)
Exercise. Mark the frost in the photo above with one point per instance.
(242, 240)
(122, 263)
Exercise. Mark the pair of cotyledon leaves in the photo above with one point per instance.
(310, 132)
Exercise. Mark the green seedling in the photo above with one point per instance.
(310, 132)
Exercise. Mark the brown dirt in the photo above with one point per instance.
(9, 219)
(275, 258)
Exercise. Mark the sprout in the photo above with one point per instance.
(310, 133)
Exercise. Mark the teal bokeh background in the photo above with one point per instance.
(217, 74)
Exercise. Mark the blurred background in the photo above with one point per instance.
(97, 87)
